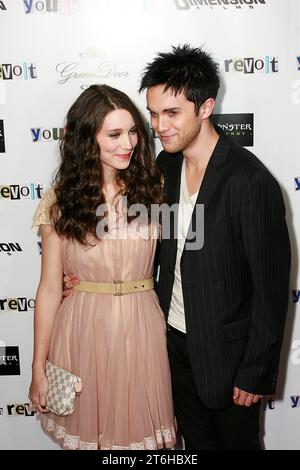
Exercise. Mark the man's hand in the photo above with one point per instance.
(242, 398)
(69, 283)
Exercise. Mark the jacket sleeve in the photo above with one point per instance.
(267, 247)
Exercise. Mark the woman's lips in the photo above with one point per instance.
(124, 156)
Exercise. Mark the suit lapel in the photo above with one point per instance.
(173, 195)
(212, 178)
(174, 176)
(214, 173)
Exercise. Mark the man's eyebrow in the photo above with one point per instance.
(166, 110)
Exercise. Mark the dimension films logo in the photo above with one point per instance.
(298, 63)
(2, 6)
(10, 248)
(63, 7)
(9, 360)
(16, 192)
(40, 134)
(2, 140)
(225, 4)
(238, 127)
(18, 304)
(297, 183)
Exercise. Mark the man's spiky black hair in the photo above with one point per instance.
(186, 69)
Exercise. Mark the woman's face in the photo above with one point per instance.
(117, 140)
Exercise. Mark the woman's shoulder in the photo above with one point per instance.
(42, 214)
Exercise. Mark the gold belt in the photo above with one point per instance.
(116, 287)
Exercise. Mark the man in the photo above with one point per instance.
(226, 302)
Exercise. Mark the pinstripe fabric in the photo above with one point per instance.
(235, 288)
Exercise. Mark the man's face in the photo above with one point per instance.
(173, 118)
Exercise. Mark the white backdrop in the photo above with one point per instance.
(50, 50)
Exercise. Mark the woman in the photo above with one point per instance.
(115, 343)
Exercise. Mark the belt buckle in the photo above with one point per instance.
(118, 288)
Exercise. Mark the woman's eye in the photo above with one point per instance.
(133, 131)
(114, 135)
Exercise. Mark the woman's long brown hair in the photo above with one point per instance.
(79, 179)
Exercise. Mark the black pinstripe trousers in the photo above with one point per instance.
(232, 428)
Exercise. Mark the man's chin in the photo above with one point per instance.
(171, 148)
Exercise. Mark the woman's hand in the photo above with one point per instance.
(38, 391)
(70, 282)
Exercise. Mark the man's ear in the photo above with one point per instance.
(206, 109)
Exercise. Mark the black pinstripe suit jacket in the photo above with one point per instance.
(235, 288)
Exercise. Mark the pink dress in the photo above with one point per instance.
(116, 344)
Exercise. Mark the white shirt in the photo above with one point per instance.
(176, 316)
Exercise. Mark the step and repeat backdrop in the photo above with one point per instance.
(50, 51)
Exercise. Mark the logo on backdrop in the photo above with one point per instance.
(16, 192)
(9, 360)
(297, 183)
(298, 62)
(296, 353)
(20, 409)
(25, 71)
(93, 65)
(296, 296)
(225, 4)
(2, 140)
(63, 7)
(39, 244)
(250, 65)
(151, 131)
(268, 403)
(17, 304)
(295, 96)
(238, 127)
(10, 248)
(41, 134)
(2, 6)
(295, 401)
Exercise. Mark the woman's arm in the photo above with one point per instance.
(48, 300)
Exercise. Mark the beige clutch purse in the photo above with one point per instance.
(63, 388)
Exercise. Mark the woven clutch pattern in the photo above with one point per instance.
(63, 388)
